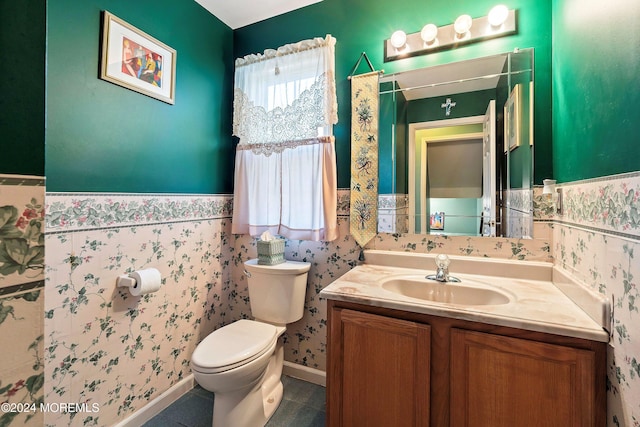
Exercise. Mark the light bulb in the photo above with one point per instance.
(498, 15)
(429, 33)
(462, 24)
(398, 39)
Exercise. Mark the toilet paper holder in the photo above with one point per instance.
(126, 281)
(140, 282)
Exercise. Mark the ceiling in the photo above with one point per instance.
(239, 13)
(416, 84)
(448, 79)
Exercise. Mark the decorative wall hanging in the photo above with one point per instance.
(448, 105)
(133, 59)
(364, 155)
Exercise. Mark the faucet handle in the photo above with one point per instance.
(442, 261)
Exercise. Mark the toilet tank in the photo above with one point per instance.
(277, 292)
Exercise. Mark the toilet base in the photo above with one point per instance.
(252, 408)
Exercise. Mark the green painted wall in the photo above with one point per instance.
(402, 147)
(520, 158)
(392, 141)
(430, 109)
(105, 138)
(467, 104)
(97, 132)
(22, 54)
(596, 102)
(386, 141)
(363, 25)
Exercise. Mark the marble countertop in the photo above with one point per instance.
(536, 305)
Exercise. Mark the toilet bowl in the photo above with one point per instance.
(241, 363)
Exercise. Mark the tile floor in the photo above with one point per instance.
(303, 405)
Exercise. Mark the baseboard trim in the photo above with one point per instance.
(305, 373)
(158, 404)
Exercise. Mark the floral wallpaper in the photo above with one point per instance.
(102, 346)
(597, 239)
(21, 299)
(392, 213)
(21, 359)
(105, 347)
(519, 213)
(21, 229)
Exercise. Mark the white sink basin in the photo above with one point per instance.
(468, 292)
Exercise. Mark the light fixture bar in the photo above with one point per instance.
(447, 38)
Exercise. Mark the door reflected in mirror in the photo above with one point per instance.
(447, 148)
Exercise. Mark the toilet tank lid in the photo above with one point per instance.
(238, 341)
(287, 267)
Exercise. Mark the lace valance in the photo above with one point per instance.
(300, 120)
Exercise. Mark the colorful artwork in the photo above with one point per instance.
(133, 59)
(437, 221)
(141, 63)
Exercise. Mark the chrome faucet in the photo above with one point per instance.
(442, 272)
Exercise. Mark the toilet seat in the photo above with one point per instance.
(233, 345)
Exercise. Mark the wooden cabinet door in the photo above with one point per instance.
(378, 371)
(502, 381)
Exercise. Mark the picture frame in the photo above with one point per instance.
(512, 118)
(436, 221)
(531, 111)
(137, 61)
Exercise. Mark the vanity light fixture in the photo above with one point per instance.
(498, 15)
(463, 25)
(429, 34)
(549, 186)
(398, 39)
(498, 23)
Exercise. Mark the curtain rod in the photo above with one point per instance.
(318, 42)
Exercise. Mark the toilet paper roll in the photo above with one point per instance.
(147, 281)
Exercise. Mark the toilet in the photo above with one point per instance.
(241, 363)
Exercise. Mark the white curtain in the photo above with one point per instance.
(285, 172)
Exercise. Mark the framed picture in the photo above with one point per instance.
(135, 60)
(512, 118)
(436, 221)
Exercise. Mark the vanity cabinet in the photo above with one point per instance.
(395, 368)
(381, 365)
(499, 381)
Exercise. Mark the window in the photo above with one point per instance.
(285, 172)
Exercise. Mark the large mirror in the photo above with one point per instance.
(456, 148)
